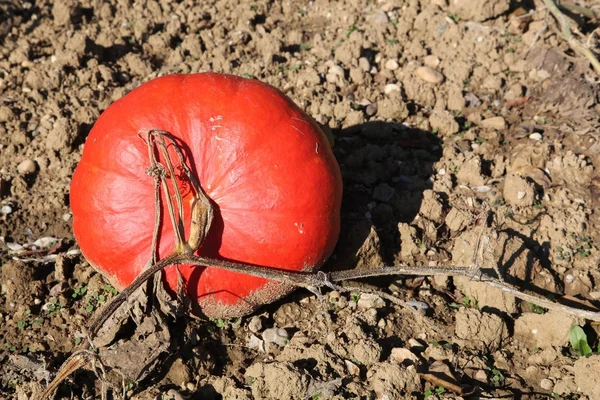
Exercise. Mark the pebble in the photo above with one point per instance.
(481, 375)
(546, 384)
(364, 64)
(535, 136)
(595, 295)
(497, 123)
(352, 368)
(190, 386)
(255, 324)
(6, 210)
(391, 65)
(415, 345)
(337, 70)
(430, 75)
(371, 109)
(401, 354)
(368, 301)
(390, 88)
(278, 336)
(26, 167)
(431, 61)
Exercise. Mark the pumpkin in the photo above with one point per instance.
(265, 165)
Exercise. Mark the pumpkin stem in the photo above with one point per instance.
(201, 209)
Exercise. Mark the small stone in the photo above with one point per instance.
(546, 384)
(6, 114)
(37, 301)
(415, 345)
(190, 386)
(390, 88)
(431, 61)
(481, 375)
(403, 356)
(278, 336)
(497, 123)
(391, 65)
(364, 64)
(255, 343)
(521, 195)
(6, 210)
(337, 70)
(535, 136)
(595, 295)
(430, 75)
(352, 368)
(255, 324)
(383, 192)
(368, 301)
(66, 217)
(26, 167)
(371, 109)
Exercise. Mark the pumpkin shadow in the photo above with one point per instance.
(385, 167)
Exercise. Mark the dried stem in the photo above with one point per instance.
(565, 27)
(201, 219)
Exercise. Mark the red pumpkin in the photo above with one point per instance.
(265, 164)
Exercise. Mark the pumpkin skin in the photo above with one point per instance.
(265, 165)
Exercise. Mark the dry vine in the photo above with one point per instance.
(158, 143)
(565, 29)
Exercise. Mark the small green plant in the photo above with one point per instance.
(247, 75)
(537, 309)
(466, 82)
(435, 131)
(469, 302)
(352, 29)
(79, 292)
(110, 289)
(563, 255)
(355, 297)
(28, 320)
(305, 46)
(579, 342)
(392, 41)
(454, 18)
(499, 202)
(53, 307)
(222, 323)
(497, 378)
(538, 204)
(315, 396)
(479, 140)
(434, 390)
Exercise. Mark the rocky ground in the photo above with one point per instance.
(449, 120)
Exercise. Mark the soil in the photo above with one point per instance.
(448, 119)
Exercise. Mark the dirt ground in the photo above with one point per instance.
(449, 120)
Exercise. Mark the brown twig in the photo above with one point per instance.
(565, 29)
(202, 217)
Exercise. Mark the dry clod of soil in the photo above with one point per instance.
(518, 191)
(277, 380)
(408, 241)
(497, 123)
(480, 330)
(587, 375)
(443, 122)
(543, 330)
(470, 173)
(393, 381)
(486, 9)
